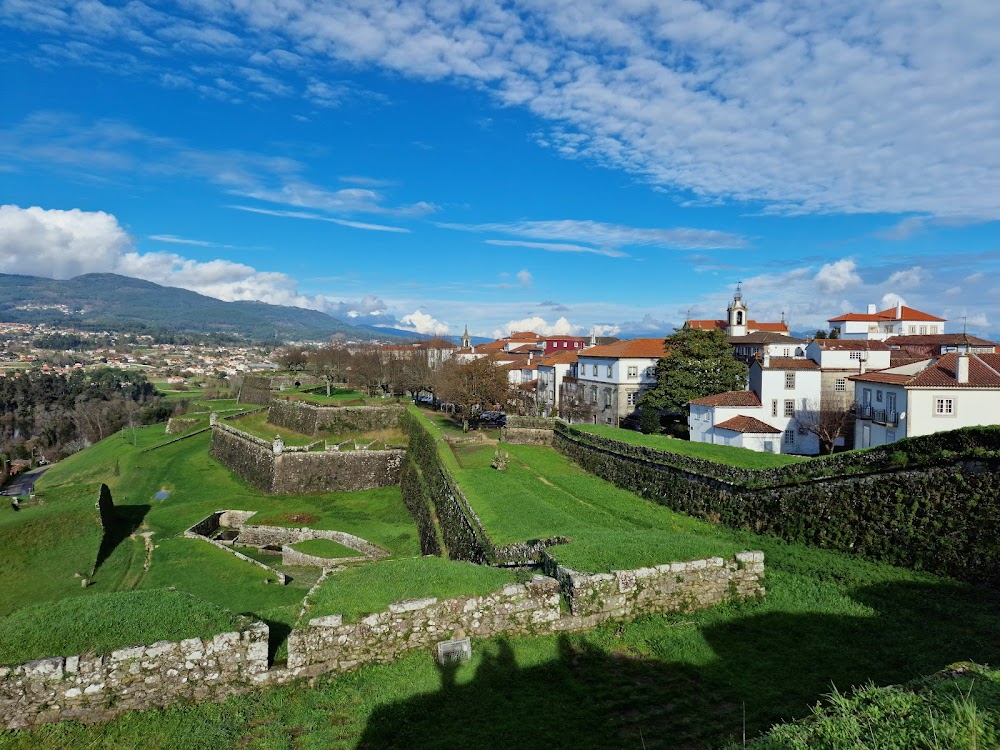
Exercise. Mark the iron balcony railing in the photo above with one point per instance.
(888, 417)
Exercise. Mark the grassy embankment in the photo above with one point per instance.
(744, 458)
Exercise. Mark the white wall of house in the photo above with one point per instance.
(850, 359)
(782, 399)
(938, 409)
(619, 383)
(702, 421)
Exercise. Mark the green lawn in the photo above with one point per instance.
(722, 454)
(661, 682)
(105, 622)
(314, 395)
(257, 425)
(543, 494)
(358, 591)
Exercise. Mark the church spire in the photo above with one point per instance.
(466, 339)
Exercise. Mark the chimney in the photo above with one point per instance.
(871, 309)
(899, 309)
(962, 368)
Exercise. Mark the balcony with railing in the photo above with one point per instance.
(888, 417)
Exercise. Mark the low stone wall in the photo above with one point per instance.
(208, 526)
(96, 688)
(297, 472)
(177, 425)
(527, 609)
(528, 431)
(310, 419)
(674, 587)
(421, 623)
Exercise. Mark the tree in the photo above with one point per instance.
(476, 383)
(331, 364)
(820, 334)
(293, 358)
(368, 371)
(649, 420)
(697, 363)
(827, 421)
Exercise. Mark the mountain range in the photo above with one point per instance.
(107, 301)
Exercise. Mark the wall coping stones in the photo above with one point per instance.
(411, 605)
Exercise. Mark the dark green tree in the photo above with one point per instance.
(698, 363)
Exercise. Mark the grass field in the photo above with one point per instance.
(722, 454)
(257, 425)
(543, 494)
(691, 681)
(46, 548)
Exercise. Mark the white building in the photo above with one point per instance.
(610, 378)
(934, 395)
(880, 325)
(785, 395)
(551, 371)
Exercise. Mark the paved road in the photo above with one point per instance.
(24, 484)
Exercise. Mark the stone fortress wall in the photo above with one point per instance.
(276, 469)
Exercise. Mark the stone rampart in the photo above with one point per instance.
(256, 389)
(310, 419)
(528, 431)
(176, 425)
(96, 688)
(295, 472)
(248, 456)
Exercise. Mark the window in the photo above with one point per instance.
(609, 371)
(789, 380)
(912, 330)
(774, 407)
(878, 396)
(867, 398)
(593, 371)
(888, 329)
(633, 398)
(944, 407)
(789, 407)
(890, 436)
(633, 371)
(840, 384)
(789, 437)
(607, 399)
(934, 329)
(593, 394)
(855, 355)
(873, 328)
(890, 401)
(787, 352)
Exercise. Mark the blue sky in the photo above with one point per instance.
(562, 166)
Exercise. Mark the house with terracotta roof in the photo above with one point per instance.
(880, 325)
(783, 395)
(925, 347)
(956, 390)
(609, 379)
(838, 360)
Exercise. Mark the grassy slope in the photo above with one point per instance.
(723, 454)
(543, 494)
(659, 682)
(357, 591)
(105, 622)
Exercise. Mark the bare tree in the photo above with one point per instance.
(827, 421)
(330, 363)
(369, 371)
(476, 383)
(293, 358)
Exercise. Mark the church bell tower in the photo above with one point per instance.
(737, 322)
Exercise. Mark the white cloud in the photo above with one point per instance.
(421, 322)
(174, 240)
(603, 238)
(605, 329)
(524, 277)
(39, 242)
(62, 244)
(561, 327)
(907, 279)
(318, 217)
(803, 107)
(891, 299)
(558, 247)
(834, 278)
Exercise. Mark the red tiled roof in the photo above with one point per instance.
(627, 348)
(939, 339)
(722, 325)
(525, 336)
(745, 424)
(729, 398)
(560, 358)
(853, 345)
(908, 313)
(984, 372)
(788, 363)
